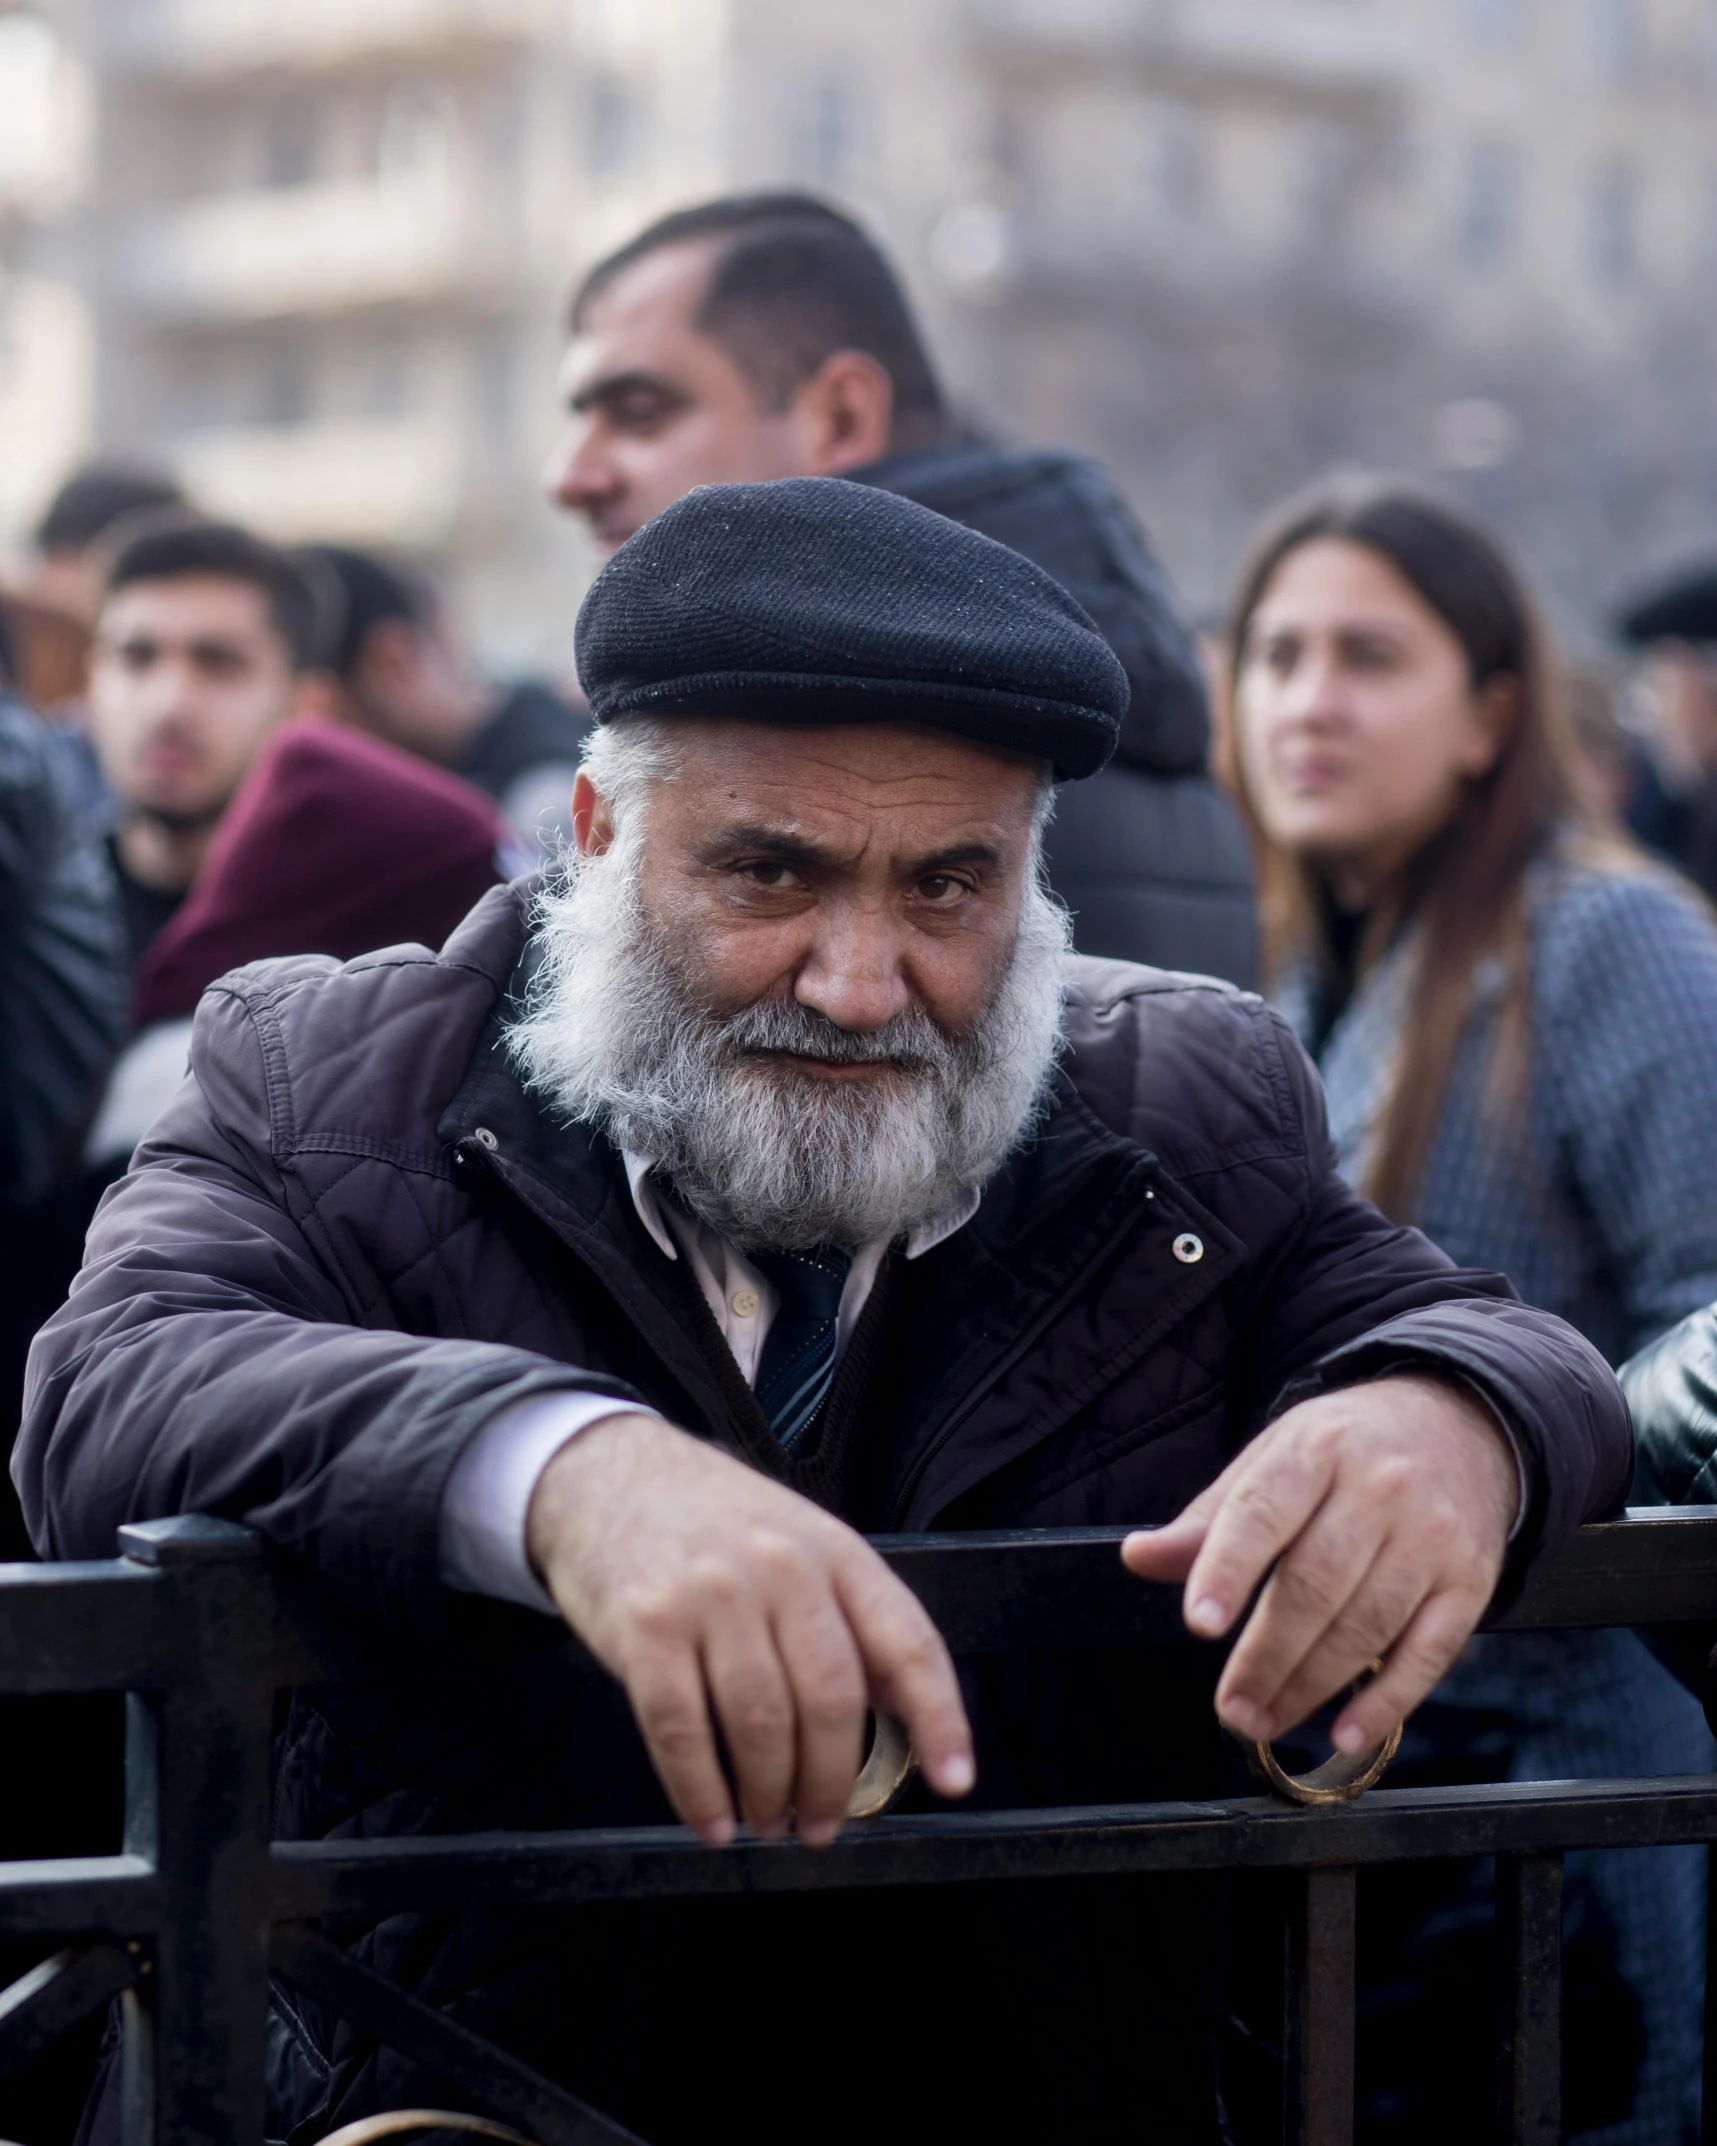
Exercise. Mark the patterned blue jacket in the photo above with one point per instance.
(1592, 1184)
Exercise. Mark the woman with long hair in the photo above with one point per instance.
(1515, 1015)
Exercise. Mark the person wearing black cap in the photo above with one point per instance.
(773, 1175)
(1673, 809)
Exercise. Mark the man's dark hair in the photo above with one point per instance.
(88, 504)
(177, 549)
(366, 592)
(793, 281)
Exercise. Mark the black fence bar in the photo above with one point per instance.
(1708, 2060)
(1317, 2010)
(201, 1627)
(197, 1785)
(41, 2005)
(372, 1878)
(1529, 1921)
(417, 2030)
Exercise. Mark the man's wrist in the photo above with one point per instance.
(562, 1490)
(485, 1505)
(1454, 1380)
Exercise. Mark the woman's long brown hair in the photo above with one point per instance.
(1466, 886)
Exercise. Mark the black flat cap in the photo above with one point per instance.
(1682, 610)
(818, 601)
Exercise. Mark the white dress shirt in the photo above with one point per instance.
(490, 1489)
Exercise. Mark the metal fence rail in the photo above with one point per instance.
(200, 1627)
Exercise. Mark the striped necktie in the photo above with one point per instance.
(797, 1366)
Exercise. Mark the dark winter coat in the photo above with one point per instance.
(353, 1238)
(1149, 855)
(63, 974)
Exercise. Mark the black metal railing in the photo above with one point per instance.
(200, 1628)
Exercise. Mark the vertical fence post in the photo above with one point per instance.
(197, 1755)
(1529, 1925)
(1708, 2063)
(1317, 2035)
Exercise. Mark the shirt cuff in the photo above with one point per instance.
(489, 1492)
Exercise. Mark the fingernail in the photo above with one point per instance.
(718, 1833)
(956, 1775)
(1350, 1739)
(819, 1832)
(1207, 1614)
(1247, 1719)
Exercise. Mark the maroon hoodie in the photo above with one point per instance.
(335, 844)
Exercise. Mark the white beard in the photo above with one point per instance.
(616, 1037)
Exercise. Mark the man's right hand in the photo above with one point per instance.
(719, 1597)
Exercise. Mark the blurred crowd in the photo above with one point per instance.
(1476, 877)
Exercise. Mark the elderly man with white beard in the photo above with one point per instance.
(771, 1175)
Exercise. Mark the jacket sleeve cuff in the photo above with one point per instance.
(488, 1495)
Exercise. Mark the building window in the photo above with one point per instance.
(829, 126)
(1613, 220)
(1490, 205)
(1614, 31)
(384, 375)
(610, 124)
(283, 383)
(1497, 25)
(416, 136)
(1182, 162)
(289, 145)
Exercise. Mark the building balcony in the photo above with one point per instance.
(1329, 50)
(214, 37)
(394, 481)
(321, 248)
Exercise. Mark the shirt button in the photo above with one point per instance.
(1188, 1249)
(746, 1303)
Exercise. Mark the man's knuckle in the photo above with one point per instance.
(833, 1703)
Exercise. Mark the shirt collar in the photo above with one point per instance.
(926, 1238)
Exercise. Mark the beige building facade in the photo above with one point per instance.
(315, 256)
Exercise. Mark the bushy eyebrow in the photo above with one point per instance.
(812, 856)
(618, 384)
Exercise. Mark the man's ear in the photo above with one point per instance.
(592, 822)
(845, 413)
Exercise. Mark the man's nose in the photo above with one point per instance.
(579, 476)
(854, 974)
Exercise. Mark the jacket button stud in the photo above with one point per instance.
(746, 1303)
(485, 1138)
(1188, 1249)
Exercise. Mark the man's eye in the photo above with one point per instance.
(769, 873)
(942, 887)
(639, 413)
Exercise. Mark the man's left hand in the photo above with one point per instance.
(1377, 1519)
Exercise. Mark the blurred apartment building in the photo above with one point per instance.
(314, 253)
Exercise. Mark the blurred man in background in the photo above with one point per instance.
(766, 336)
(47, 620)
(1674, 804)
(401, 675)
(203, 645)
